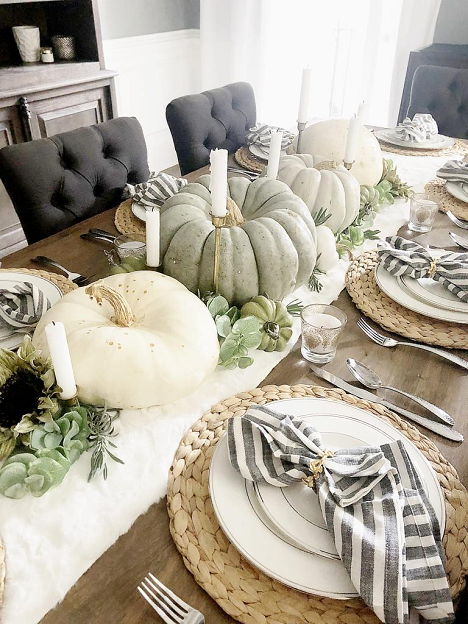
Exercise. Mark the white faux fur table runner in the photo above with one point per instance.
(51, 541)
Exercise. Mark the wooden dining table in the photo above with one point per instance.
(106, 593)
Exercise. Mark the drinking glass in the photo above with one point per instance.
(321, 328)
(126, 246)
(422, 213)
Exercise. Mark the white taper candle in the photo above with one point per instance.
(153, 238)
(303, 113)
(362, 112)
(218, 184)
(274, 154)
(354, 130)
(61, 361)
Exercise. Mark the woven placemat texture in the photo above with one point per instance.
(126, 222)
(63, 283)
(459, 147)
(247, 160)
(364, 291)
(244, 592)
(436, 191)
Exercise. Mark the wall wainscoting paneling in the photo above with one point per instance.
(152, 71)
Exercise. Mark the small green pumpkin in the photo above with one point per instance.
(276, 322)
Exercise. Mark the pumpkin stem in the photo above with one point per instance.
(234, 215)
(327, 164)
(272, 329)
(123, 315)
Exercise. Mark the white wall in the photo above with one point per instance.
(153, 70)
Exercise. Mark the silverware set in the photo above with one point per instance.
(248, 174)
(170, 608)
(76, 278)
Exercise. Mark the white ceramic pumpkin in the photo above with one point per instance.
(135, 339)
(328, 138)
(328, 187)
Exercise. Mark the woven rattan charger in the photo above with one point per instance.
(437, 191)
(363, 290)
(65, 286)
(244, 592)
(459, 147)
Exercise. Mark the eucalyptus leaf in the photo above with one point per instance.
(244, 362)
(223, 325)
(217, 306)
(234, 314)
(246, 325)
(228, 348)
(252, 341)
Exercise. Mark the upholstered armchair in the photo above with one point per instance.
(56, 182)
(443, 92)
(219, 118)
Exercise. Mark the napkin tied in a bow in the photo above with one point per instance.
(22, 305)
(260, 135)
(156, 190)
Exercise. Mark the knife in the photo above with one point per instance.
(442, 430)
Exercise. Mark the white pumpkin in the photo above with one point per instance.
(335, 190)
(327, 256)
(328, 138)
(135, 339)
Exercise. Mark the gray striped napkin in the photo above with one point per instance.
(156, 190)
(22, 305)
(404, 257)
(454, 171)
(260, 135)
(386, 533)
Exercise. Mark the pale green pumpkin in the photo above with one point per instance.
(269, 244)
(275, 319)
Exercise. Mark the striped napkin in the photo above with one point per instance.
(260, 135)
(419, 129)
(22, 305)
(386, 533)
(156, 190)
(399, 257)
(454, 171)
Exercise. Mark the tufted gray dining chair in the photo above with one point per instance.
(56, 182)
(219, 118)
(443, 92)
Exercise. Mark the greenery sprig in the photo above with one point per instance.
(101, 430)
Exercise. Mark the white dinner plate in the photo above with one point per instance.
(261, 544)
(139, 211)
(396, 290)
(434, 293)
(258, 153)
(456, 189)
(439, 141)
(7, 280)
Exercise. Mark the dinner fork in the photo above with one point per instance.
(77, 278)
(170, 608)
(385, 341)
(457, 221)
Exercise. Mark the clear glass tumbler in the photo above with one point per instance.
(321, 328)
(422, 213)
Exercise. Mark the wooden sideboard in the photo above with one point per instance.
(38, 100)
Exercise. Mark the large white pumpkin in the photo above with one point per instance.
(142, 339)
(335, 190)
(328, 138)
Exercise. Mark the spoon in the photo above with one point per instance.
(368, 378)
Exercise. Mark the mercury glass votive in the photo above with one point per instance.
(126, 246)
(321, 329)
(422, 213)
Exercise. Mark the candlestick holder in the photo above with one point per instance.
(218, 223)
(348, 165)
(301, 125)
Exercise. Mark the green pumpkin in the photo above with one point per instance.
(276, 322)
(268, 244)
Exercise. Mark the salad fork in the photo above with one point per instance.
(170, 608)
(385, 341)
(457, 221)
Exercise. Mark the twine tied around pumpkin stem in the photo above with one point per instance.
(123, 315)
(316, 468)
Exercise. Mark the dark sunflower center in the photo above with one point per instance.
(18, 396)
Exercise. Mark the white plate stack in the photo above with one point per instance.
(281, 531)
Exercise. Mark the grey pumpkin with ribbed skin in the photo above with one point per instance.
(273, 251)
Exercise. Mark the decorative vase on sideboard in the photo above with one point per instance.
(28, 41)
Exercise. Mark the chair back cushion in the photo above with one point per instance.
(56, 182)
(443, 92)
(219, 118)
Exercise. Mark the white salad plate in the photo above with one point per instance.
(456, 189)
(439, 141)
(262, 155)
(265, 538)
(434, 293)
(139, 211)
(7, 281)
(394, 288)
